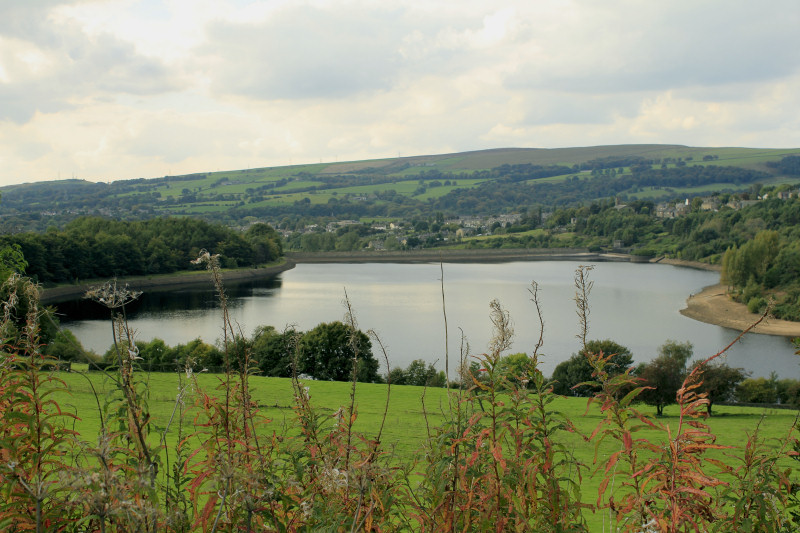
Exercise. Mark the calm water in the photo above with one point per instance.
(635, 305)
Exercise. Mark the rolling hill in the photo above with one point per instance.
(477, 182)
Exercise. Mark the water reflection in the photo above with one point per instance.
(172, 303)
(635, 305)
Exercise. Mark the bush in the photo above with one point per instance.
(788, 391)
(758, 390)
(756, 304)
(577, 369)
(417, 373)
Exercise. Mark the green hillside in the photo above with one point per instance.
(456, 184)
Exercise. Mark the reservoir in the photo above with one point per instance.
(636, 305)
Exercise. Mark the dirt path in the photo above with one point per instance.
(713, 306)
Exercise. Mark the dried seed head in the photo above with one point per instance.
(112, 295)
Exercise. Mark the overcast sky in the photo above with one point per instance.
(116, 89)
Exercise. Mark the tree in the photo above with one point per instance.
(419, 374)
(157, 354)
(719, 381)
(752, 260)
(515, 367)
(197, 353)
(577, 369)
(788, 391)
(665, 374)
(66, 347)
(274, 351)
(758, 390)
(397, 376)
(327, 352)
(391, 243)
(265, 241)
(11, 261)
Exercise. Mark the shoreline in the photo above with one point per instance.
(482, 255)
(63, 293)
(697, 265)
(713, 306)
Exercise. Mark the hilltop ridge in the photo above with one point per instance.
(478, 182)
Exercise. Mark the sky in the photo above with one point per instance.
(116, 89)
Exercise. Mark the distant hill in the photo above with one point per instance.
(477, 182)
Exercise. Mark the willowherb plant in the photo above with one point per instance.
(498, 464)
(34, 440)
(124, 493)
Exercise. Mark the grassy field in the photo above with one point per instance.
(408, 420)
(238, 181)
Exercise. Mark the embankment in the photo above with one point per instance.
(687, 264)
(63, 293)
(483, 255)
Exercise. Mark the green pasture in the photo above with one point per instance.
(348, 167)
(404, 432)
(267, 174)
(529, 233)
(464, 163)
(781, 180)
(241, 180)
(408, 420)
(563, 177)
(316, 197)
(474, 161)
(198, 208)
(675, 192)
(444, 163)
(747, 157)
(377, 220)
(405, 188)
(298, 184)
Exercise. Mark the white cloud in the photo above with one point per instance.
(137, 88)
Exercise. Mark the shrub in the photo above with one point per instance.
(756, 304)
(570, 374)
(758, 390)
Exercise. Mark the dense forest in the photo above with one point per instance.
(94, 247)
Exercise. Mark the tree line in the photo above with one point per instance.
(94, 247)
(664, 375)
(325, 352)
(766, 266)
